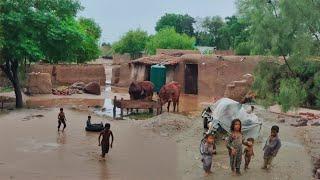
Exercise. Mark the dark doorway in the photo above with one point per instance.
(191, 79)
(147, 75)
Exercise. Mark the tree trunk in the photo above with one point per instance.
(10, 68)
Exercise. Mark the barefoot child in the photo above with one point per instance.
(271, 147)
(61, 119)
(234, 145)
(248, 152)
(207, 149)
(106, 133)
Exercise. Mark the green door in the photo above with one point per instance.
(158, 76)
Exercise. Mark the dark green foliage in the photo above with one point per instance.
(46, 30)
(169, 39)
(182, 24)
(289, 29)
(222, 34)
(133, 42)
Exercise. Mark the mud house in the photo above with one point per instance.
(197, 74)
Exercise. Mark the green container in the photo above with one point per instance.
(158, 76)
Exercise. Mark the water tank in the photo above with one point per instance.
(158, 76)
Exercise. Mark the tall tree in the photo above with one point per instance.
(208, 31)
(133, 42)
(34, 30)
(289, 29)
(182, 24)
(168, 38)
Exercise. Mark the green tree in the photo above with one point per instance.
(208, 31)
(169, 39)
(46, 29)
(90, 43)
(289, 29)
(133, 42)
(183, 24)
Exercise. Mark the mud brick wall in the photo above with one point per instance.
(214, 74)
(237, 90)
(39, 83)
(121, 58)
(174, 52)
(70, 73)
(224, 52)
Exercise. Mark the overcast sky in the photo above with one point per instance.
(119, 16)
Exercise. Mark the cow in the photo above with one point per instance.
(141, 90)
(170, 93)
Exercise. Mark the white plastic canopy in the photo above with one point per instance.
(225, 110)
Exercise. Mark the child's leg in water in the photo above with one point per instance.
(247, 162)
(207, 163)
(104, 149)
(238, 159)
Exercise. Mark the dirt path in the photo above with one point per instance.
(292, 162)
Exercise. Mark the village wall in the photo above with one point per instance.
(71, 73)
(121, 58)
(174, 52)
(224, 52)
(125, 77)
(215, 74)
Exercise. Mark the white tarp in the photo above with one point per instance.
(225, 110)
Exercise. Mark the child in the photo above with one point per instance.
(61, 119)
(106, 133)
(234, 145)
(248, 152)
(89, 121)
(271, 147)
(207, 150)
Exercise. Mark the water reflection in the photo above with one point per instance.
(61, 137)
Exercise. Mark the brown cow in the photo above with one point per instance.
(170, 93)
(141, 90)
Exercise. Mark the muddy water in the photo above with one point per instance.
(292, 162)
(33, 149)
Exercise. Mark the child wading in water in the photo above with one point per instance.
(106, 133)
(61, 119)
(271, 147)
(207, 150)
(248, 152)
(234, 145)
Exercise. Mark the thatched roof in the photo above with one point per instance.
(157, 59)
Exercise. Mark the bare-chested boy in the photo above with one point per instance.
(104, 143)
(61, 119)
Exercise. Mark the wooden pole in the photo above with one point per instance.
(121, 115)
(114, 107)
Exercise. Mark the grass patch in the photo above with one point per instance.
(6, 89)
(140, 116)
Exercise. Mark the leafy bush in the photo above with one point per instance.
(133, 42)
(243, 49)
(292, 94)
(168, 38)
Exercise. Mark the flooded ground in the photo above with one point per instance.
(33, 149)
(292, 163)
